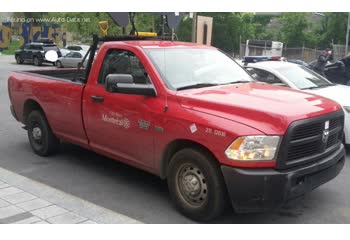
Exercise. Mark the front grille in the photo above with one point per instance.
(307, 140)
(300, 151)
(334, 123)
(306, 131)
(332, 140)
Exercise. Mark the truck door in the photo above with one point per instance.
(121, 124)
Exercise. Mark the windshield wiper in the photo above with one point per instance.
(197, 85)
(235, 82)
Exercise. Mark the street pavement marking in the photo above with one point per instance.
(27, 194)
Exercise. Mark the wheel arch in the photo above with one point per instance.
(29, 106)
(175, 146)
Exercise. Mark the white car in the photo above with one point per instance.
(71, 60)
(301, 78)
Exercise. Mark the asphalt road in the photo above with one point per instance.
(135, 193)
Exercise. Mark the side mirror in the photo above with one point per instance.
(124, 83)
(112, 80)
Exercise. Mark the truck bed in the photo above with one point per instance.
(57, 93)
(59, 74)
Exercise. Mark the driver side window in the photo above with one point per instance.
(123, 62)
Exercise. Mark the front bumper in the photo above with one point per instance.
(256, 190)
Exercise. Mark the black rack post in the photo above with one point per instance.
(92, 51)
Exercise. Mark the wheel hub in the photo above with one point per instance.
(37, 133)
(192, 185)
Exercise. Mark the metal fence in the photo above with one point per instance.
(301, 53)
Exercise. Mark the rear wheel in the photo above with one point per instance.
(19, 60)
(41, 138)
(196, 185)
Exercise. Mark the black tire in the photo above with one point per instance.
(202, 202)
(19, 60)
(37, 61)
(59, 64)
(41, 138)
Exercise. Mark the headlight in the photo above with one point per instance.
(253, 148)
(347, 109)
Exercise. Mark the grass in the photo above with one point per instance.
(14, 45)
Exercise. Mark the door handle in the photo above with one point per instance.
(97, 99)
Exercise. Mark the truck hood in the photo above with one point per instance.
(338, 93)
(267, 108)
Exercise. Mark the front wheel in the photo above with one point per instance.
(59, 64)
(19, 60)
(196, 185)
(41, 138)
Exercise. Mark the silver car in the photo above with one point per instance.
(71, 60)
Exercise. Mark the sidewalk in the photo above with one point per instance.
(24, 201)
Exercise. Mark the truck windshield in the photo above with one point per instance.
(304, 78)
(186, 68)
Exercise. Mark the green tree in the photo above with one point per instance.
(184, 30)
(260, 22)
(334, 29)
(293, 30)
(248, 28)
(226, 30)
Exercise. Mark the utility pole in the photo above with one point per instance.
(194, 27)
(347, 35)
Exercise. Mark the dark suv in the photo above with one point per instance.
(35, 53)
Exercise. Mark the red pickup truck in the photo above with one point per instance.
(189, 114)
